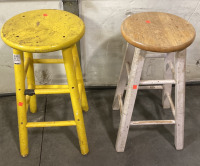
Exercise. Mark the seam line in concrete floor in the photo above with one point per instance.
(45, 110)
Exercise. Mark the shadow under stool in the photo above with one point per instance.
(42, 31)
(155, 32)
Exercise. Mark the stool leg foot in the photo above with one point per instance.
(180, 66)
(31, 82)
(75, 99)
(132, 88)
(167, 88)
(128, 57)
(21, 101)
(84, 102)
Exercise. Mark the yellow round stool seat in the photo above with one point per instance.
(42, 30)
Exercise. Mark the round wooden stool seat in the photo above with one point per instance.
(42, 30)
(158, 32)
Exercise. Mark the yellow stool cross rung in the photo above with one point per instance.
(51, 86)
(51, 91)
(48, 61)
(51, 124)
(56, 87)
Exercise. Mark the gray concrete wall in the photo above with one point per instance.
(103, 46)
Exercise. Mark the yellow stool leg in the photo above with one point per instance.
(21, 101)
(31, 82)
(84, 102)
(75, 99)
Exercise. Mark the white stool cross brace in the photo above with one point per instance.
(174, 73)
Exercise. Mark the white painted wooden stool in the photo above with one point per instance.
(156, 32)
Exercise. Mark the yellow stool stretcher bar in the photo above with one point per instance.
(51, 124)
(51, 86)
(51, 91)
(48, 61)
(32, 92)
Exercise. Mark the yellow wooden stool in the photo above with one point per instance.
(42, 31)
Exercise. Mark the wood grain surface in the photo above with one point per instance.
(158, 32)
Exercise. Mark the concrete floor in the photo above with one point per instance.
(146, 146)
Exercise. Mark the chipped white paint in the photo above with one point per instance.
(129, 102)
(171, 63)
(151, 87)
(168, 74)
(180, 66)
(134, 81)
(121, 85)
(171, 104)
(152, 122)
(121, 105)
(156, 82)
(155, 56)
(128, 69)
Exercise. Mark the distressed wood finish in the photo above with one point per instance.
(174, 73)
(121, 105)
(158, 32)
(180, 62)
(171, 104)
(136, 71)
(167, 88)
(152, 122)
(149, 87)
(121, 85)
(157, 82)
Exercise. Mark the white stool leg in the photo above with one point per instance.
(180, 98)
(167, 88)
(132, 88)
(128, 57)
